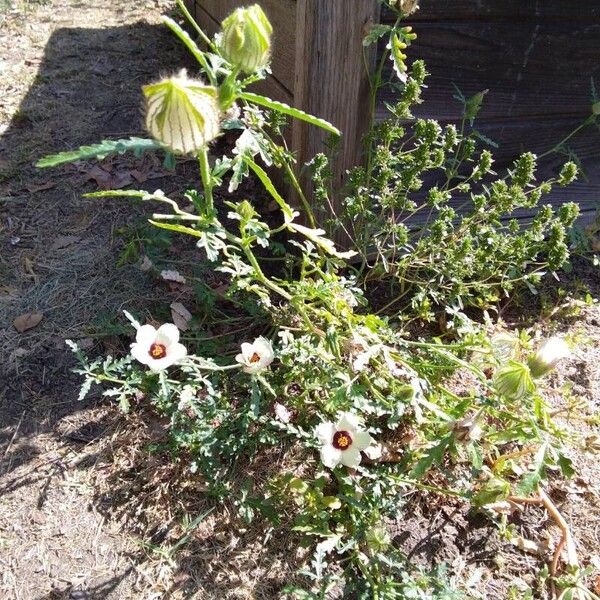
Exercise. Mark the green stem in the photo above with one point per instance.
(585, 123)
(207, 181)
(261, 276)
(192, 22)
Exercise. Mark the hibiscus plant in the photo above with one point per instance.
(323, 376)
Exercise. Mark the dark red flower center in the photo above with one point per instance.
(158, 351)
(255, 358)
(342, 440)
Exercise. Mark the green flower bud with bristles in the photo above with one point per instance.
(246, 39)
(514, 380)
(181, 113)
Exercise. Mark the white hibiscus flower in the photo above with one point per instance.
(158, 348)
(256, 356)
(343, 441)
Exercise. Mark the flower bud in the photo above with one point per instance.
(513, 380)
(548, 356)
(181, 113)
(246, 41)
(377, 538)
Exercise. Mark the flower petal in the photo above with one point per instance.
(140, 353)
(348, 422)
(160, 364)
(146, 335)
(351, 457)
(361, 440)
(177, 352)
(168, 334)
(247, 350)
(330, 456)
(324, 432)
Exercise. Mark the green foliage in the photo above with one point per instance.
(99, 151)
(331, 358)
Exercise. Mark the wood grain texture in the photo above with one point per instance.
(282, 14)
(331, 80)
(536, 68)
(504, 9)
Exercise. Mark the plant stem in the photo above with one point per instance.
(207, 182)
(577, 129)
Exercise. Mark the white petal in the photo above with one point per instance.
(247, 350)
(351, 457)
(145, 335)
(167, 334)
(361, 440)
(140, 353)
(324, 432)
(348, 422)
(330, 456)
(160, 364)
(241, 359)
(265, 361)
(263, 347)
(177, 352)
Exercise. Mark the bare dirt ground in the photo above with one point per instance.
(78, 490)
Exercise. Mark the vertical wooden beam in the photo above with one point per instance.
(331, 80)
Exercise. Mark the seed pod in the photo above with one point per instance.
(182, 113)
(514, 380)
(246, 41)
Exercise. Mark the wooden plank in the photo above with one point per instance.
(507, 9)
(331, 80)
(281, 13)
(529, 68)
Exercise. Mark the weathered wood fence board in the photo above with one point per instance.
(536, 58)
(541, 67)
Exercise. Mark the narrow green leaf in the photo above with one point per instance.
(116, 193)
(189, 43)
(285, 109)
(178, 228)
(270, 187)
(99, 151)
(530, 482)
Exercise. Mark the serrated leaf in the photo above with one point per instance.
(99, 151)
(433, 456)
(285, 109)
(530, 482)
(377, 31)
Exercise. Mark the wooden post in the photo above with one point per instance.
(318, 66)
(331, 80)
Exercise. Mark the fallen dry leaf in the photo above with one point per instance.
(181, 316)
(27, 321)
(40, 187)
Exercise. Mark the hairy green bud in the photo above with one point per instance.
(513, 380)
(246, 41)
(182, 113)
(568, 174)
